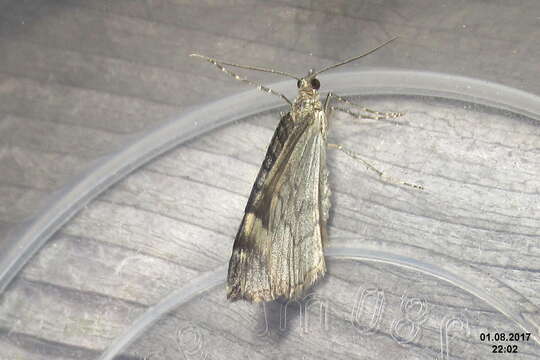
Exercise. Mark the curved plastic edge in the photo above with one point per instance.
(100, 177)
(208, 281)
(154, 313)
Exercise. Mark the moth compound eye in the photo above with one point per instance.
(315, 84)
(299, 84)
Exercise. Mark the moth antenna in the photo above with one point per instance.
(248, 67)
(243, 79)
(354, 58)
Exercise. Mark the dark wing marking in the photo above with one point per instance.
(278, 250)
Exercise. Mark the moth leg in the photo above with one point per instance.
(372, 114)
(220, 66)
(326, 105)
(382, 175)
(347, 111)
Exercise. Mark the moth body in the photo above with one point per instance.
(278, 250)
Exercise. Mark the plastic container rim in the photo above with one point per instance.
(86, 187)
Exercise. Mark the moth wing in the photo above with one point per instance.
(278, 250)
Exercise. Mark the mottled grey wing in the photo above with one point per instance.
(278, 250)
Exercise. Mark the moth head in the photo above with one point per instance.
(309, 82)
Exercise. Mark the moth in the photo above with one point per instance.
(278, 250)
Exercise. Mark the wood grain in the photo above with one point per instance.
(78, 80)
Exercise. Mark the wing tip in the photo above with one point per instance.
(236, 292)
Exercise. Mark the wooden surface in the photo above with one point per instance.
(79, 80)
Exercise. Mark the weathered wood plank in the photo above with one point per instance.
(76, 106)
(19, 202)
(196, 193)
(21, 346)
(143, 41)
(35, 308)
(79, 77)
(104, 74)
(27, 138)
(5, 229)
(180, 214)
(312, 31)
(38, 171)
(120, 272)
(195, 331)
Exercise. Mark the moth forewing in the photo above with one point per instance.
(278, 250)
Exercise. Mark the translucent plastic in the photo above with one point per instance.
(498, 300)
(398, 334)
(66, 203)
